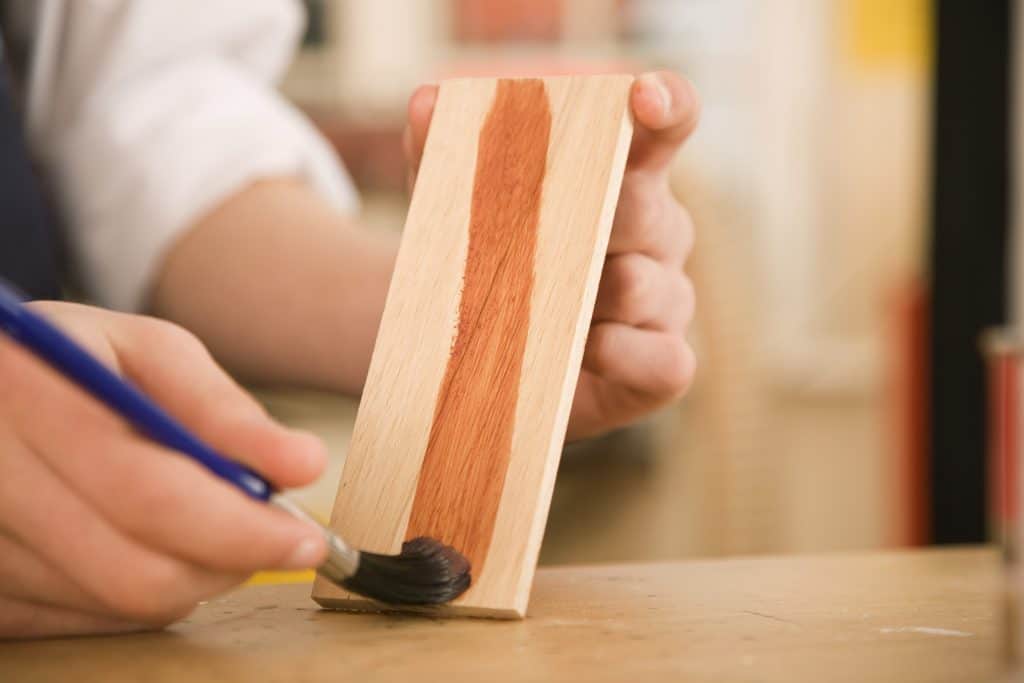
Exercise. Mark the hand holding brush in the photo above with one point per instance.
(105, 528)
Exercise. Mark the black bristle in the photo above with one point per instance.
(426, 572)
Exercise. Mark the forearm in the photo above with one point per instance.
(280, 287)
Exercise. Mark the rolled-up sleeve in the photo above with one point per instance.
(159, 111)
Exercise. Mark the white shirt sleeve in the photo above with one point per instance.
(148, 113)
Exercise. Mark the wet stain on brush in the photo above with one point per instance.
(470, 443)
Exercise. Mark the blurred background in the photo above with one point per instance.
(848, 181)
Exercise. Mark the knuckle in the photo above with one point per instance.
(639, 208)
(678, 369)
(176, 335)
(159, 333)
(171, 338)
(634, 280)
(600, 347)
(648, 209)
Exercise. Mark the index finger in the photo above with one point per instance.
(666, 109)
(173, 367)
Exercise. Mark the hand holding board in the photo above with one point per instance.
(464, 413)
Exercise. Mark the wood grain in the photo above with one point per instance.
(928, 616)
(470, 440)
(463, 417)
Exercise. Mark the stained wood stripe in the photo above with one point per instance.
(467, 454)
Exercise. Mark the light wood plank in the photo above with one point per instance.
(463, 418)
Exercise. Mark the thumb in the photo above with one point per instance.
(421, 110)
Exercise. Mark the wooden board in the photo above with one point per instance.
(908, 616)
(464, 414)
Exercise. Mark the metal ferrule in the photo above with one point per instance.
(342, 561)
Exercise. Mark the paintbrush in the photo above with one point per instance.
(426, 572)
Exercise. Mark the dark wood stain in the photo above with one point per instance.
(469, 447)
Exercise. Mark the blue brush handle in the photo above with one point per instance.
(56, 348)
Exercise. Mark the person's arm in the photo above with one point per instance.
(148, 115)
(280, 286)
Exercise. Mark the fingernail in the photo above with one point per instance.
(653, 81)
(308, 553)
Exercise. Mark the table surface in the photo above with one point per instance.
(930, 615)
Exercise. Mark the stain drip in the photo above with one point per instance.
(470, 441)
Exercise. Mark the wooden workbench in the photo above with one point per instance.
(905, 616)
